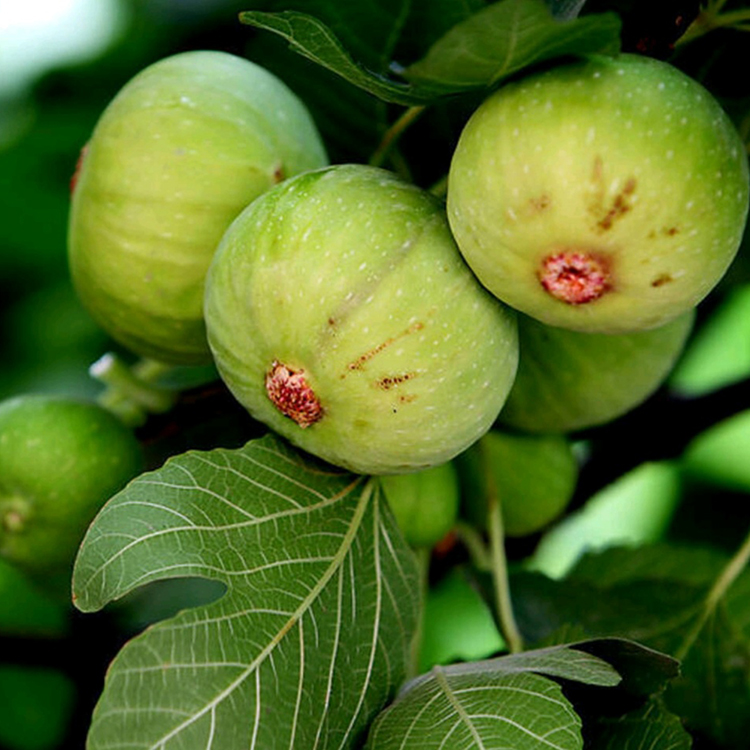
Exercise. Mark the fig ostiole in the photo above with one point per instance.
(569, 381)
(607, 195)
(532, 476)
(176, 155)
(341, 314)
(60, 460)
(425, 503)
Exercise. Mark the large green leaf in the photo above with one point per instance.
(503, 39)
(513, 701)
(665, 597)
(478, 51)
(314, 631)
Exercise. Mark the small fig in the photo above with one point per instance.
(60, 460)
(570, 381)
(177, 154)
(604, 195)
(341, 314)
(425, 503)
(533, 477)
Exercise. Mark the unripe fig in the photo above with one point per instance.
(425, 503)
(60, 460)
(177, 154)
(605, 195)
(569, 380)
(532, 476)
(341, 314)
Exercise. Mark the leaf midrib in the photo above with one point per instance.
(306, 603)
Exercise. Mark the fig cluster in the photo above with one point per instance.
(602, 199)
(589, 209)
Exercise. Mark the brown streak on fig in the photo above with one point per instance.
(359, 363)
(391, 381)
(665, 278)
(620, 206)
(278, 174)
(292, 395)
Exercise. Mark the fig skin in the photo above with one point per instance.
(60, 460)
(605, 195)
(341, 314)
(178, 153)
(425, 503)
(534, 477)
(569, 381)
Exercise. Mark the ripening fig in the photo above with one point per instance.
(341, 314)
(532, 476)
(606, 195)
(60, 460)
(177, 154)
(425, 503)
(568, 380)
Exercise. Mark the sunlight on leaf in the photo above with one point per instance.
(635, 509)
(321, 590)
(719, 352)
(719, 454)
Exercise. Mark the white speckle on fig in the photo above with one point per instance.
(385, 372)
(603, 178)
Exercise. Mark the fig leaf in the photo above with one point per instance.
(512, 701)
(478, 51)
(312, 38)
(320, 587)
(673, 598)
(504, 38)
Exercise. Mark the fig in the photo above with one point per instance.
(341, 314)
(425, 503)
(533, 476)
(605, 195)
(60, 460)
(176, 155)
(568, 380)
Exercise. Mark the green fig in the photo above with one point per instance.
(177, 154)
(425, 503)
(341, 314)
(570, 381)
(604, 195)
(60, 460)
(533, 477)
